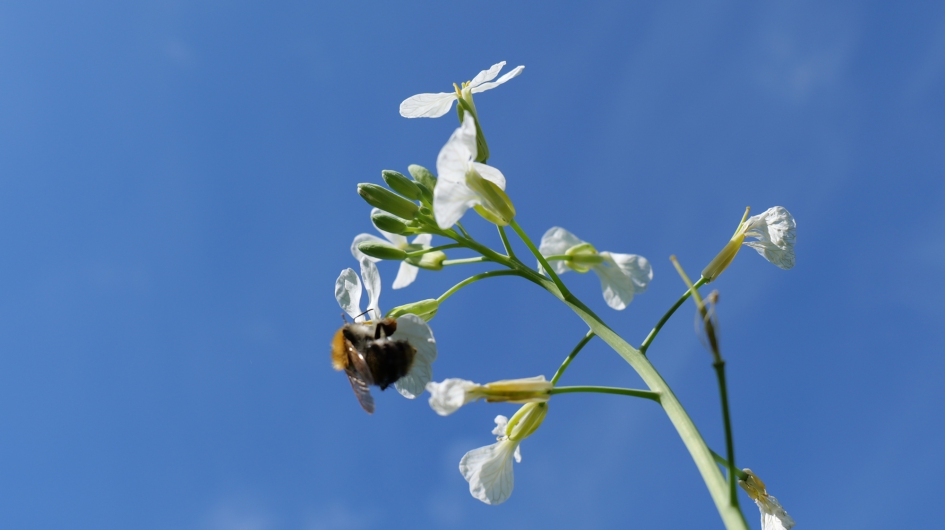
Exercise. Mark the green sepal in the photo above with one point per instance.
(431, 260)
(425, 309)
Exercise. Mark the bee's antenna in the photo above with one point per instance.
(362, 314)
(344, 318)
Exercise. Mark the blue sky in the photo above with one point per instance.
(178, 189)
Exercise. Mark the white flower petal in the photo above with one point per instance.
(372, 284)
(423, 240)
(773, 516)
(415, 331)
(489, 471)
(451, 199)
(617, 286)
(447, 397)
(487, 75)
(427, 105)
(466, 133)
(501, 422)
(360, 238)
(453, 161)
(556, 242)
(406, 274)
(489, 86)
(775, 230)
(518, 453)
(348, 292)
(636, 267)
(490, 173)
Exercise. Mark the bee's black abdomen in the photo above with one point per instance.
(389, 360)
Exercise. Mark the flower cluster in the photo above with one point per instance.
(398, 347)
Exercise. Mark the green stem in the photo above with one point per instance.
(506, 244)
(564, 366)
(724, 463)
(463, 230)
(432, 249)
(655, 396)
(464, 261)
(541, 259)
(729, 440)
(659, 325)
(732, 516)
(472, 279)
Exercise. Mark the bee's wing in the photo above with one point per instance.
(359, 375)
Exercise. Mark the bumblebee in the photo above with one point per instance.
(369, 356)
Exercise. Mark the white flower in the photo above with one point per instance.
(489, 469)
(463, 183)
(773, 516)
(621, 275)
(436, 105)
(447, 397)
(409, 327)
(407, 272)
(775, 231)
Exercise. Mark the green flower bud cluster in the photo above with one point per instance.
(401, 214)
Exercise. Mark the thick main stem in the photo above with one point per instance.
(701, 454)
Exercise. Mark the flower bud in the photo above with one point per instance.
(425, 309)
(386, 222)
(496, 207)
(526, 390)
(379, 250)
(526, 421)
(423, 176)
(431, 260)
(381, 197)
(722, 260)
(401, 184)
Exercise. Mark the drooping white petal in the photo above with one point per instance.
(556, 242)
(372, 284)
(360, 238)
(773, 516)
(636, 267)
(487, 75)
(451, 199)
(447, 397)
(414, 330)
(348, 292)
(490, 173)
(489, 471)
(618, 287)
(775, 230)
(489, 86)
(406, 274)
(427, 105)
